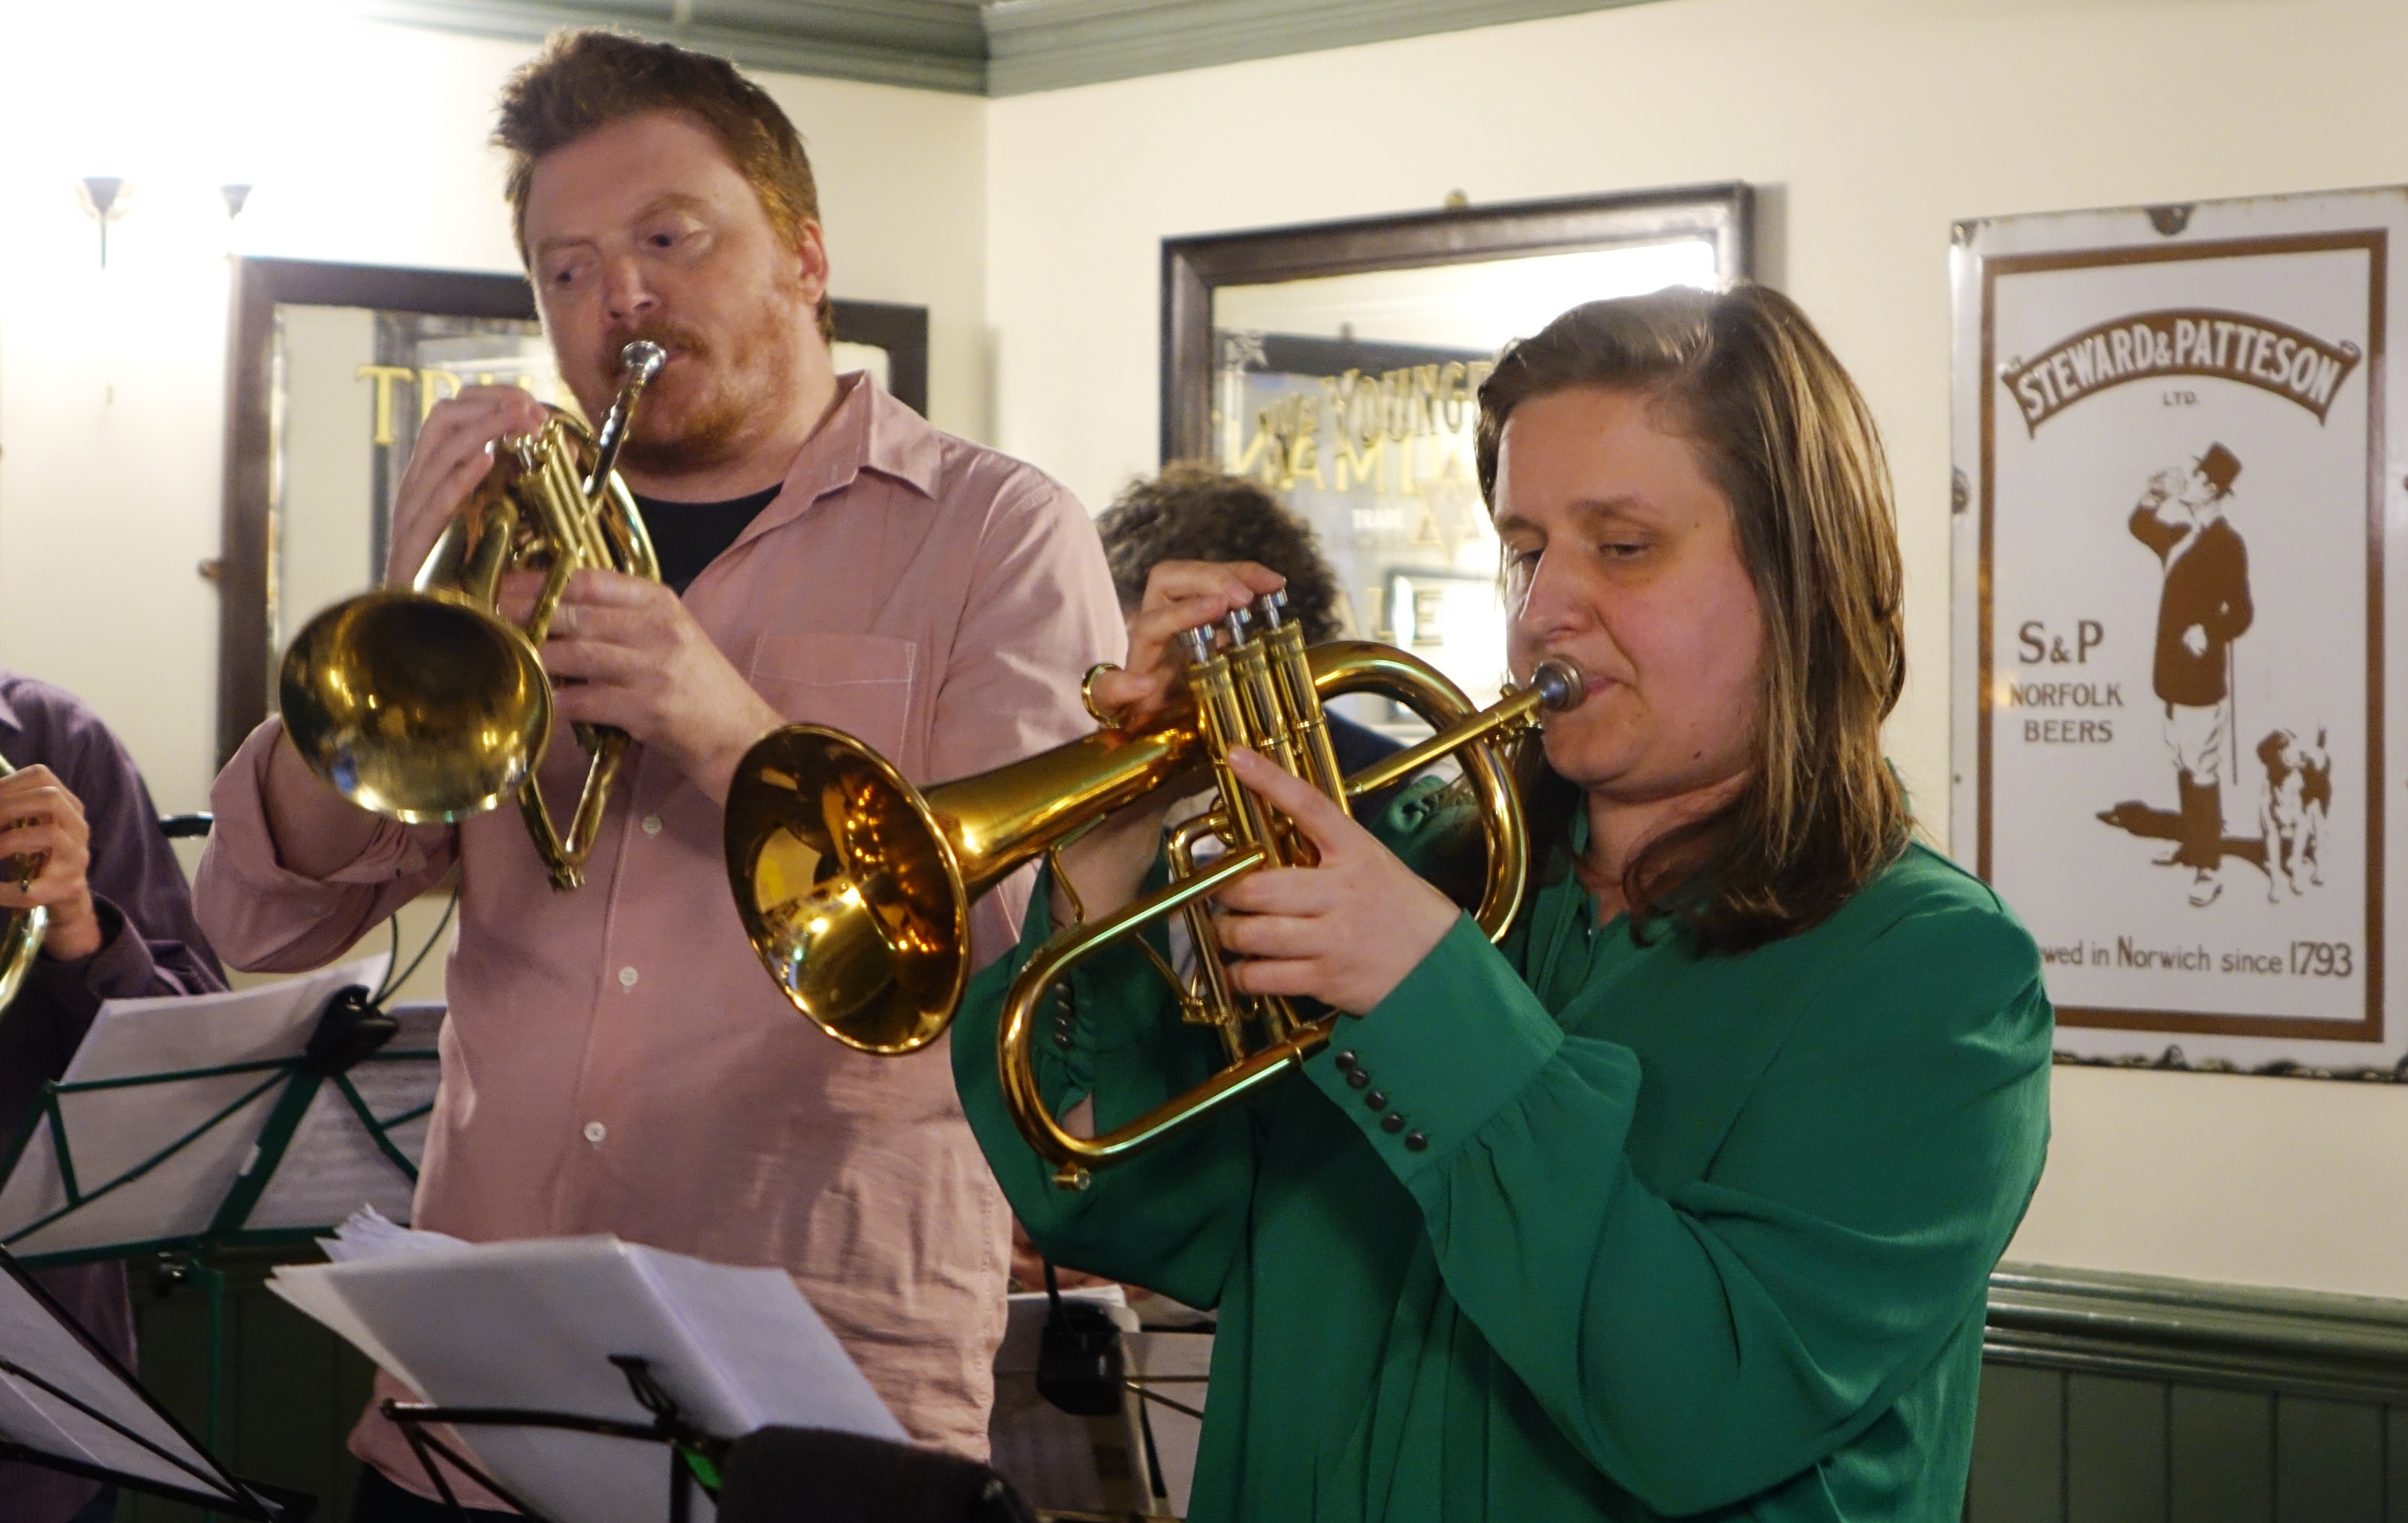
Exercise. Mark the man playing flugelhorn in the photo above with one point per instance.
(614, 1061)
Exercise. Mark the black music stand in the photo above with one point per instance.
(66, 1404)
(695, 1457)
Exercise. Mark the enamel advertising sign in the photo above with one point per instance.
(2171, 430)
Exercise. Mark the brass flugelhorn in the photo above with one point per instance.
(855, 888)
(21, 930)
(427, 705)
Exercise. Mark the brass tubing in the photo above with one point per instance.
(21, 930)
(1503, 721)
(1214, 1003)
(1306, 718)
(1223, 720)
(1267, 722)
(1054, 961)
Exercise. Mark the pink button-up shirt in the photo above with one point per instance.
(616, 1059)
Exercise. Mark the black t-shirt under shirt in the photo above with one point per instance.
(689, 536)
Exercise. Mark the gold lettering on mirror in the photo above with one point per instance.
(384, 376)
(428, 384)
(1376, 423)
(429, 389)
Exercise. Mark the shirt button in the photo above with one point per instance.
(651, 825)
(627, 977)
(1415, 1141)
(1376, 1100)
(595, 1131)
(1392, 1122)
(1346, 1062)
(1358, 1077)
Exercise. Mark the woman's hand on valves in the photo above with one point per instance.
(1345, 932)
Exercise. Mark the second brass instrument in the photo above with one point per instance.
(21, 930)
(426, 706)
(855, 888)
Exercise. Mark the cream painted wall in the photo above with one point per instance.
(1872, 124)
(366, 144)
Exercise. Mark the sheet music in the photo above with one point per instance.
(532, 1324)
(333, 1167)
(32, 1337)
(112, 1131)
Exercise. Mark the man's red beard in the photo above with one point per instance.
(723, 401)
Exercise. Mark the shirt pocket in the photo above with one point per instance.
(857, 684)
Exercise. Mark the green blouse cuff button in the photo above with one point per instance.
(1394, 1122)
(1415, 1141)
(1376, 1100)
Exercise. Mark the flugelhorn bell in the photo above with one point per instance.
(426, 706)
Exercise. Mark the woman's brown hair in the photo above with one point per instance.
(1784, 433)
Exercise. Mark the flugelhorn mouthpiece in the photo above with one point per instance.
(1559, 684)
(641, 360)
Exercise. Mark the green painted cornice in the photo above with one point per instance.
(1000, 48)
(1035, 45)
(922, 43)
(2301, 1342)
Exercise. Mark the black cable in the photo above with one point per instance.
(433, 936)
(391, 955)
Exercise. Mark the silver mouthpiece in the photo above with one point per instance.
(1558, 683)
(640, 362)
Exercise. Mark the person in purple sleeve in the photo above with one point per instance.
(121, 926)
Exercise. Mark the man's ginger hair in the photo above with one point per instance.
(584, 80)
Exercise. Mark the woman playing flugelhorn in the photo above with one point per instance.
(1683, 1199)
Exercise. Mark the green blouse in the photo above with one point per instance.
(1659, 1235)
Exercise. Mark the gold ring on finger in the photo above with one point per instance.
(1111, 720)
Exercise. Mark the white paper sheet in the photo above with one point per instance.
(112, 1131)
(532, 1324)
(32, 1337)
(333, 1166)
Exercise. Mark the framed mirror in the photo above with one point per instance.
(1338, 364)
(331, 369)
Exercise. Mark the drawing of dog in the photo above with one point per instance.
(2292, 812)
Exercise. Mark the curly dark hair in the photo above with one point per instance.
(1193, 512)
(585, 80)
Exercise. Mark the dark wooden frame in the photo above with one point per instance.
(260, 286)
(1194, 267)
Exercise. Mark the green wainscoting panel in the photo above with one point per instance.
(2186, 1402)
(2018, 1446)
(2222, 1456)
(2115, 1449)
(2328, 1460)
(292, 1388)
(2395, 1465)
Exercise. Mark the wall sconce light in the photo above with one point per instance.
(104, 197)
(235, 196)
